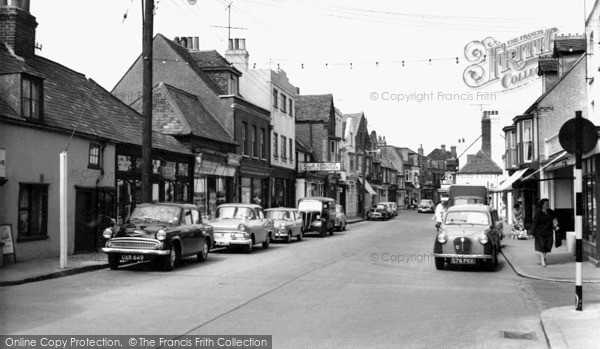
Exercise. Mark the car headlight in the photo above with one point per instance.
(317, 223)
(241, 227)
(483, 239)
(442, 237)
(107, 233)
(161, 235)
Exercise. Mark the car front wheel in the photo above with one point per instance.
(203, 254)
(113, 261)
(289, 237)
(300, 236)
(248, 248)
(266, 243)
(171, 259)
(439, 263)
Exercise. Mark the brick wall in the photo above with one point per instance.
(17, 29)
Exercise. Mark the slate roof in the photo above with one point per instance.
(212, 60)
(71, 99)
(569, 44)
(185, 116)
(314, 107)
(481, 163)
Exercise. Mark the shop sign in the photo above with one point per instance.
(511, 63)
(319, 166)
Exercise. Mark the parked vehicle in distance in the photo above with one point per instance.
(426, 205)
(378, 211)
(241, 225)
(392, 206)
(288, 223)
(340, 218)
(161, 232)
(461, 194)
(470, 234)
(318, 215)
(388, 208)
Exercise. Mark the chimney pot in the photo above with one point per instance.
(190, 42)
(196, 43)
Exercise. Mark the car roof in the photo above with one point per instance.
(316, 198)
(281, 209)
(470, 207)
(241, 205)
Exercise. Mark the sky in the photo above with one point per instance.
(400, 62)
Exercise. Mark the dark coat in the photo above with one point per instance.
(543, 230)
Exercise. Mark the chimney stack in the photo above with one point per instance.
(420, 150)
(17, 27)
(486, 133)
(453, 152)
(237, 54)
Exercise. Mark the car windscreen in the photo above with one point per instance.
(310, 205)
(277, 214)
(467, 217)
(156, 213)
(234, 212)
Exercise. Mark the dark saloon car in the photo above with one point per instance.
(161, 232)
(379, 211)
(470, 234)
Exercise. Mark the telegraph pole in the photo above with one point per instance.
(148, 29)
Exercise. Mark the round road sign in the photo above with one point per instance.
(578, 130)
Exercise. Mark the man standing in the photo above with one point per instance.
(440, 209)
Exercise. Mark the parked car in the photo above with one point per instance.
(241, 225)
(426, 205)
(340, 218)
(162, 232)
(388, 208)
(392, 206)
(378, 211)
(318, 215)
(287, 221)
(470, 234)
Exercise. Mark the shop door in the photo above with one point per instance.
(85, 231)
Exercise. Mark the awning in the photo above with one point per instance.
(507, 184)
(368, 187)
(546, 165)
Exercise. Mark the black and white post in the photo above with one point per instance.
(578, 215)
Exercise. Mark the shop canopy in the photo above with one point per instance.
(507, 184)
(368, 187)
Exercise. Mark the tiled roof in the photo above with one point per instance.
(71, 100)
(212, 60)
(7, 111)
(439, 154)
(354, 121)
(301, 147)
(201, 122)
(314, 107)
(481, 163)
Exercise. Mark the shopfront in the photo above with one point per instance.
(282, 187)
(171, 178)
(591, 210)
(214, 181)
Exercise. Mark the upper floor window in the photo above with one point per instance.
(253, 140)
(291, 110)
(291, 149)
(95, 159)
(31, 101)
(275, 98)
(233, 85)
(261, 148)
(244, 138)
(283, 103)
(283, 147)
(525, 140)
(275, 141)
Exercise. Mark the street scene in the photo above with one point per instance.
(293, 174)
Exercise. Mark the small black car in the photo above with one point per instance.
(162, 232)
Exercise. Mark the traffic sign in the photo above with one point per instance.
(578, 130)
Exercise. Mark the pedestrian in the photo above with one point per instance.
(543, 228)
(440, 209)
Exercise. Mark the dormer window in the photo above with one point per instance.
(31, 101)
(233, 85)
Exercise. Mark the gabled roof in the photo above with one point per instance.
(301, 147)
(481, 163)
(71, 100)
(184, 115)
(314, 107)
(354, 121)
(439, 154)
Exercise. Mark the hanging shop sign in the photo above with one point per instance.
(512, 63)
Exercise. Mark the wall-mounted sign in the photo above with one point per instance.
(319, 166)
(511, 63)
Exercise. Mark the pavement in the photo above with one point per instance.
(564, 327)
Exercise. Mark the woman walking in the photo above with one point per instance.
(544, 225)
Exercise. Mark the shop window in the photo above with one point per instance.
(33, 211)
(590, 205)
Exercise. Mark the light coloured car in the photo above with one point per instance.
(340, 218)
(426, 205)
(241, 225)
(288, 223)
(470, 234)
(392, 206)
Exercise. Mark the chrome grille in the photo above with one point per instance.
(134, 244)
(462, 245)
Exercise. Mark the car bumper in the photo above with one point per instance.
(456, 255)
(280, 235)
(110, 250)
(227, 241)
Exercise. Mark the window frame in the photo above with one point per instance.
(37, 189)
(283, 147)
(275, 98)
(33, 81)
(253, 135)
(244, 135)
(98, 165)
(283, 103)
(275, 144)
